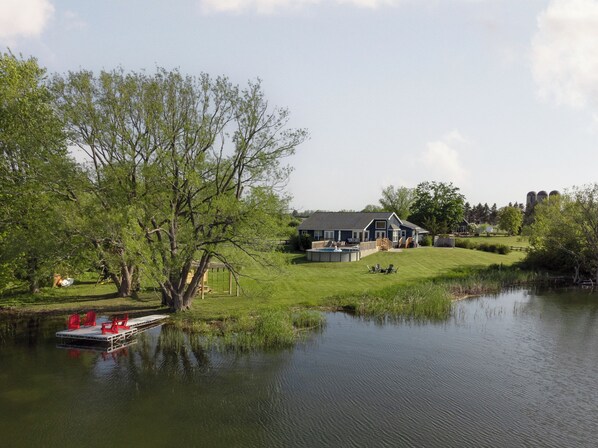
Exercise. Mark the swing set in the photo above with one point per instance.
(218, 279)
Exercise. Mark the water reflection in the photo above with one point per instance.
(516, 369)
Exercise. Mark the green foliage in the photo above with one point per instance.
(36, 192)
(466, 243)
(372, 208)
(510, 219)
(437, 206)
(426, 241)
(422, 302)
(564, 234)
(184, 170)
(397, 200)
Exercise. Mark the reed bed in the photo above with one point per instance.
(272, 329)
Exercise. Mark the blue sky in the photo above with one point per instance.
(498, 96)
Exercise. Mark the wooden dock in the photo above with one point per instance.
(94, 334)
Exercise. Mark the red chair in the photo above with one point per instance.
(112, 329)
(74, 322)
(122, 323)
(90, 319)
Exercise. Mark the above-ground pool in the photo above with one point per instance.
(330, 254)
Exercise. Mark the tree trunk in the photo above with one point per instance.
(176, 293)
(32, 276)
(124, 282)
(33, 285)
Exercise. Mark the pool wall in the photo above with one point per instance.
(331, 256)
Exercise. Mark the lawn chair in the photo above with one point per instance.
(391, 269)
(112, 329)
(74, 322)
(377, 268)
(90, 319)
(122, 323)
(371, 269)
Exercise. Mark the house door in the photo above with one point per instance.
(380, 234)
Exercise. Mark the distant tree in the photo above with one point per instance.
(438, 206)
(485, 213)
(397, 200)
(557, 239)
(510, 219)
(467, 212)
(372, 208)
(493, 217)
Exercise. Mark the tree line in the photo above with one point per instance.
(175, 171)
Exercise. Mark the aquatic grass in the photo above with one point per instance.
(427, 301)
(270, 329)
(308, 319)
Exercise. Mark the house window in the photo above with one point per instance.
(380, 225)
(395, 236)
(328, 234)
(304, 232)
(403, 233)
(317, 235)
(366, 235)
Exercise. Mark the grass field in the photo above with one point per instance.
(296, 284)
(518, 241)
(304, 284)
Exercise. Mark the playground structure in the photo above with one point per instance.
(218, 279)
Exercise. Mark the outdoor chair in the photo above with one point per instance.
(371, 269)
(122, 323)
(391, 269)
(110, 327)
(90, 319)
(74, 322)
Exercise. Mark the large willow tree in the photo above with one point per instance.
(184, 170)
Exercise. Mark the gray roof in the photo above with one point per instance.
(414, 226)
(341, 220)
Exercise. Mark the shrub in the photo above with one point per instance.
(465, 243)
(426, 241)
(300, 242)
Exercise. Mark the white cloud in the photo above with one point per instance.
(24, 18)
(271, 6)
(565, 53)
(441, 159)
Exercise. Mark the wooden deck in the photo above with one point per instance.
(94, 334)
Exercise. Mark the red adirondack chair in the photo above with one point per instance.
(74, 322)
(90, 319)
(122, 323)
(110, 327)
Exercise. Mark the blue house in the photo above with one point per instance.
(355, 227)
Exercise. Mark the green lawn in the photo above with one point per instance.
(520, 241)
(301, 284)
(296, 284)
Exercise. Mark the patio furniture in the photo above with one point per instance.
(90, 319)
(112, 329)
(122, 323)
(74, 322)
(391, 269)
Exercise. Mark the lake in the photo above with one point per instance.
(518, 369)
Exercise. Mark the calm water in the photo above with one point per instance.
(516, 370)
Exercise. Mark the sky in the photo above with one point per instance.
(499, 97)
